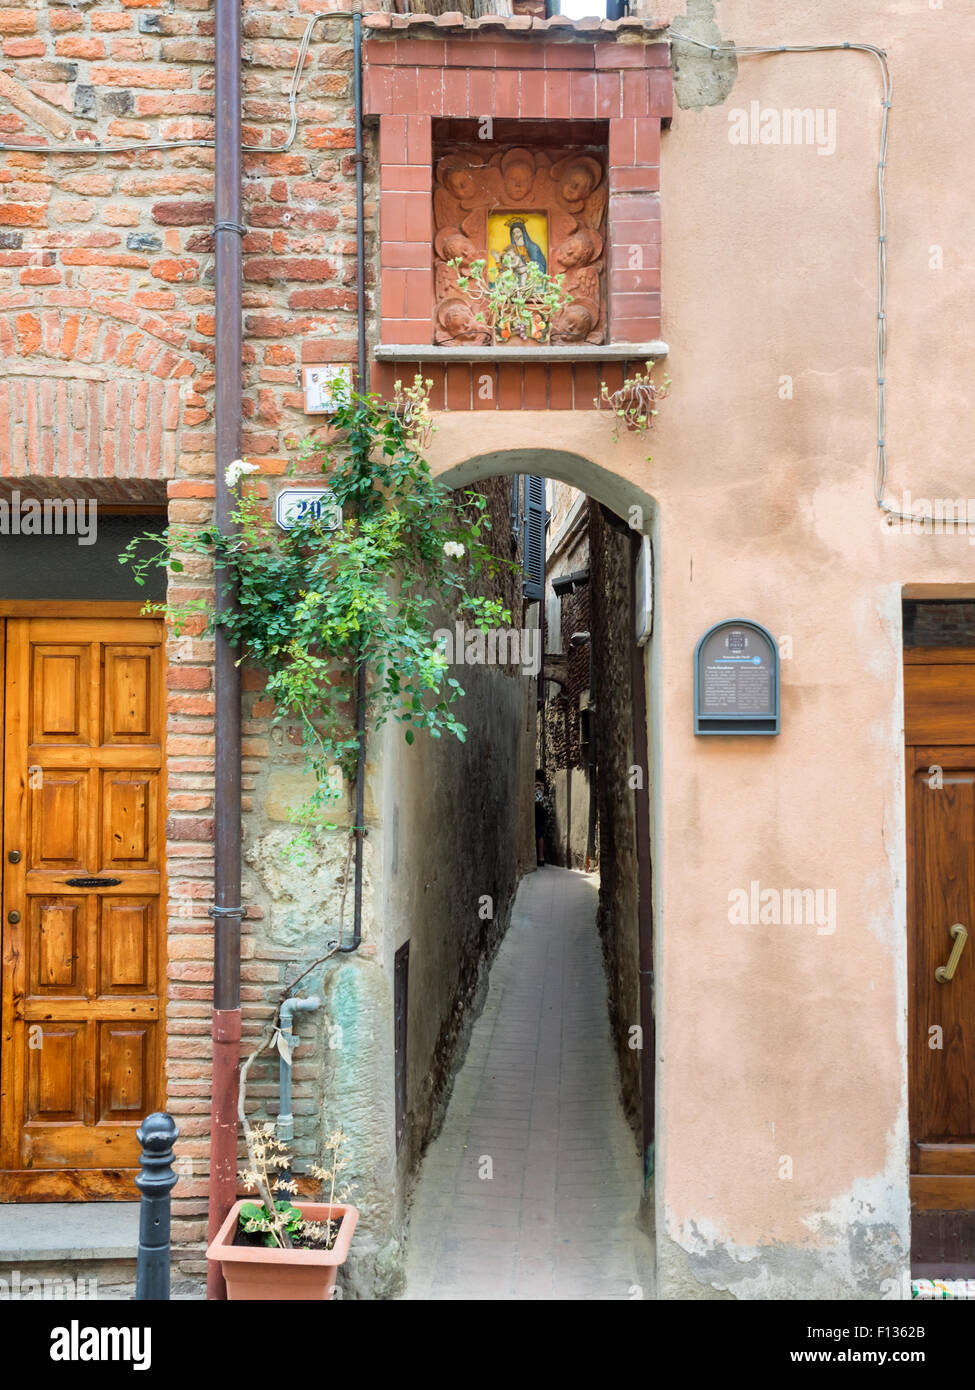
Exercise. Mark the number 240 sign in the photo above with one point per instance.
(296, 504)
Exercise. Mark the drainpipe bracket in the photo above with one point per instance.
(226, 912)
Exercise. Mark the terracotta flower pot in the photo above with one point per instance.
(266, 1273)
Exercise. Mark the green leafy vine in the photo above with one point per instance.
(312, 604)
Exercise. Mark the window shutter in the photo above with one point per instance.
(515, 505)
(533, 560)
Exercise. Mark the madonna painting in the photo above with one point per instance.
(517, 241)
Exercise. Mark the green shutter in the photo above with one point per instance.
(533, 559)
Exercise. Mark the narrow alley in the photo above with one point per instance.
(536, 1106)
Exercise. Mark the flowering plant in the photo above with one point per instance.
(314, 604)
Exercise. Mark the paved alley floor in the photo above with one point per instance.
(536, 1105)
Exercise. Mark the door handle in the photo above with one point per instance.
(945, 972)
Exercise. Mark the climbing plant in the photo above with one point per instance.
(314, 604)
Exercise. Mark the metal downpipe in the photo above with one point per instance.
(362, 384)
(227, 910)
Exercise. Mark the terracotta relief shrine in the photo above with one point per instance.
(511, 208)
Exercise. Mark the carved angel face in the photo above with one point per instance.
(575, 322)
(578, 183)
(459, 248)
(518, 179)
(460, 183)
(576, 250)
(458, 319)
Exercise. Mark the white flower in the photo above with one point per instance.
(454, 549)
(236, 470)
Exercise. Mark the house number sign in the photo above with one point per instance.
(736, 680)
(294, 504)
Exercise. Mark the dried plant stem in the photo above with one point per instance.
(260, 1171)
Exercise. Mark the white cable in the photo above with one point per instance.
(96, 147)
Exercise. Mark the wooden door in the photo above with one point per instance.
(83, 903)
(940, 734)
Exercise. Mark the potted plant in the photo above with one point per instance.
(519, 302)
(278, 1250)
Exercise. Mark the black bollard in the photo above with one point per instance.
(155, 1181)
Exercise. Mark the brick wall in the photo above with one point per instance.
(106, 328)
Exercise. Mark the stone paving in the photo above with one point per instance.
(537, 1100)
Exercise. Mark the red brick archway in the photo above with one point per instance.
(95, 395)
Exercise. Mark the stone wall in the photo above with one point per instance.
(457, 837)
(611, 588)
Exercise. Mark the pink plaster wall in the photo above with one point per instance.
(779, 1040)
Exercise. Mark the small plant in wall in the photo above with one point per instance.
(634, 404)
(519, 302)
(313, 606)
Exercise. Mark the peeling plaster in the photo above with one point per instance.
(700, 78)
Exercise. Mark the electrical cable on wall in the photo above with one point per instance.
(749, 51)
(96, 147)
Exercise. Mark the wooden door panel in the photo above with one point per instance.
(84, 789)
(56, 1075)
(129, 827)
(55, 947)
(59, 818)
(943, 1032)
(939, 703)
(956, 1159)
(131, 695)
(129, 930)
(125, 1070)
(61, 690)
(939, 719)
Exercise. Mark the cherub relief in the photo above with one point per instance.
(451, 244)
(577, 258)
(569, 188)
(456, 324)
(456, 187)
(577, 322)
(577, 176)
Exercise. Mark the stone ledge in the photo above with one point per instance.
(561, 25)
(589, 352)
(59, 1231)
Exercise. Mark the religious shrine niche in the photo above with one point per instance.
(512, 208)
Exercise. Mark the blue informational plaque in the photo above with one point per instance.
(736, 680)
